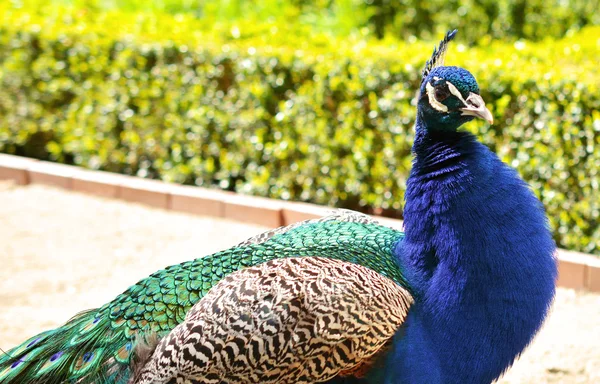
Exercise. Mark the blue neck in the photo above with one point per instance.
(479, 256)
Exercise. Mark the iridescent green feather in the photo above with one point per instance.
(96, 346)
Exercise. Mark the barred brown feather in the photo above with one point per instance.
(297, 320)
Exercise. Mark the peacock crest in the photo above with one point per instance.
(439, 53)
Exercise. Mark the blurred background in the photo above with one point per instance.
(304, 100)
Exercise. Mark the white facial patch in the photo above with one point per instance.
(456, 92)
(433, 101)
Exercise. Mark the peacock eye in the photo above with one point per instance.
(441, 93)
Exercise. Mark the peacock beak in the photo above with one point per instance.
(475, 106)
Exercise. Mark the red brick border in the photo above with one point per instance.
(576, 270)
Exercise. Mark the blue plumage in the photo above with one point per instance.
(477, 253)
(479, 256)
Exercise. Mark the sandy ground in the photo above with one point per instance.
(63, 252)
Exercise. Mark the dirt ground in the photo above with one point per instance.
(63, 252)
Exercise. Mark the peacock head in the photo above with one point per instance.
(449, 96)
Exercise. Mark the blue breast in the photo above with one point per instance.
(480, 257)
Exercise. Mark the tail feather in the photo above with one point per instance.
(144, 350)
(84, 345)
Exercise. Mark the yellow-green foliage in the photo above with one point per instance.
(501, 19)
(271, 110)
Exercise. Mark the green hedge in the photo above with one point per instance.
(268, 111)
(517, 19)
(513, 19)
(509, 19)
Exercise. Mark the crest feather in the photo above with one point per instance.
(437, 58)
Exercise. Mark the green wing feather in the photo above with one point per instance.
(96, 346)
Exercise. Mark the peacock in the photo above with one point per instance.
(455, 298)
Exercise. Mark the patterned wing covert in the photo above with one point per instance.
(296, 320)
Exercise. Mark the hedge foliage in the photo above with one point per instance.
(513, 19)
(508, 19)
(264, 111)
(517, 19)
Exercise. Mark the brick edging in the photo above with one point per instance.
(576, 270)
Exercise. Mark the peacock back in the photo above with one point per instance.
(101, 345)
